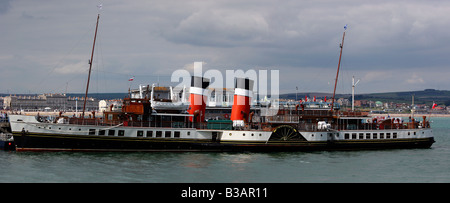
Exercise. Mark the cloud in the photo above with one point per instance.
(75, 68)
(5, 5)
(385, 43)
(190, 67)
(219, 27)
(372, 76)
(415, 79)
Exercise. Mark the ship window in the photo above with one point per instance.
(158, 133)
(101, 132)
(188, 133)
(414, 133)
(353, 135)
(409, 133)
(176, 134)
(367, 135)
(375, 136)
(168, 134)
(121, 133)
(91, 131)
(394, 135)
(381, 135)
(149, 133)
(388, 135)
(111, 132)
(140, 133)
(346, 136)
(361, 136)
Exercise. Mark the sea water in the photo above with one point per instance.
(373, 166)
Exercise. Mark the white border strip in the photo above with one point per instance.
(243, 92)
(198, 90)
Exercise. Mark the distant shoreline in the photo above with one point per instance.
(408, 115)
(87, 113)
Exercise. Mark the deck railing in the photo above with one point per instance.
(300, 119)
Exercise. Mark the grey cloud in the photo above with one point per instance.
(220, 27)
(5, 6)
(300, 38)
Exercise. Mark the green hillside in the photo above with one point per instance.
(440, 97)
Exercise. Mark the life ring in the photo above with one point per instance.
(226, 115)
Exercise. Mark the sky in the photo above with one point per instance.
(389, 45)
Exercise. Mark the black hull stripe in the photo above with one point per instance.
(110, 138)
(48, 142)
(112, 150)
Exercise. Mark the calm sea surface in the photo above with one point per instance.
(405, 165)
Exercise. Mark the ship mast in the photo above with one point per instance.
(339, 65)
(90, 68)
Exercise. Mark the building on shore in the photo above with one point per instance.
(48, 102)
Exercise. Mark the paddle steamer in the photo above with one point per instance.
(134, 129)
(139, 127)
(146, 124)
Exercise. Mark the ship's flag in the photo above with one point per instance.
(131, 79)
(100, 6)
(345, 27)
(434, 105)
